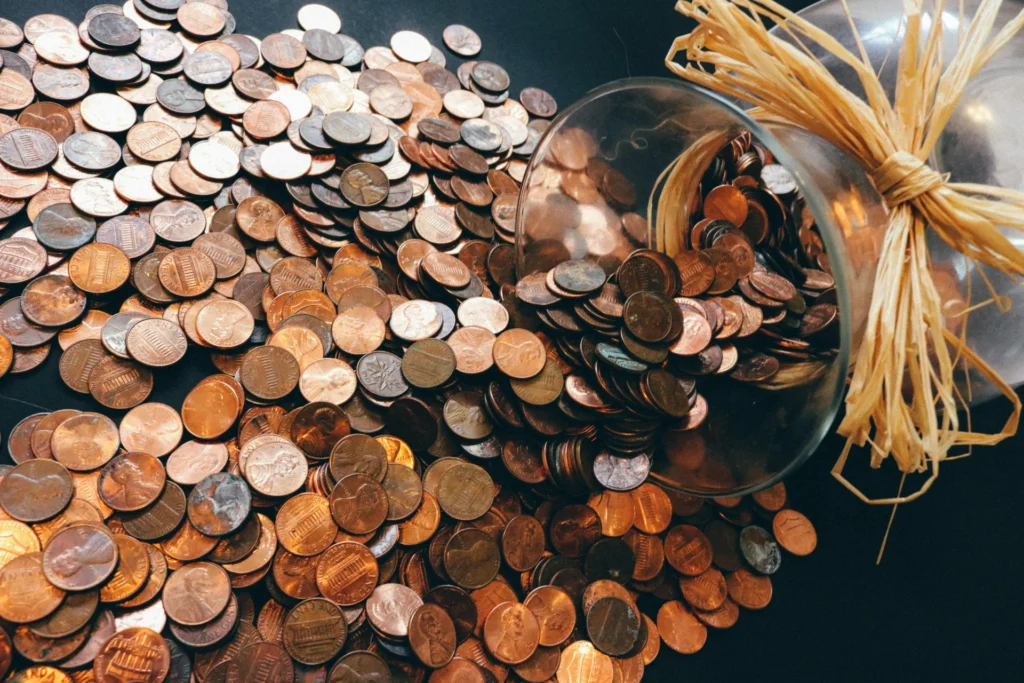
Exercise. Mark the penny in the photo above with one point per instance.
(465, 492)
(749, 590)
(358, 454)
(99, 268)
(20, 260)
(132, 570)
(581, 661)
(511, 632)
(131, 481)
(472, 558)
(27, 149)
(760, 550)
(141, 648)
(219, 504)
(680, 629)
(85, 441)
(415, 320)
(269, 372)
(276, 468)
(211, 633)
(346, 573)
(314, 631)
(794, 532)
(462, 40)
(706, 592)
(652, 509)
(161, 518)
(196, 593)
(78, 558)
(52, 300)
(75, 612)
(304, 524)
(538, 102)
(35, 490)
(428, 363)
(364, 185)
(26, 595)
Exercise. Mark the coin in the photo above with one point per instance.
(794, 532)
(79, 558)
(219, 504)
(26, 595)
(679, 629)
(346, 573)
(131, 481)
(35, 490)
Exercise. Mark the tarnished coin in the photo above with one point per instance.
(219, 504)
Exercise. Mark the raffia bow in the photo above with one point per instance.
(906, 341)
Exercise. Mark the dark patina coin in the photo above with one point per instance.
(113, 30)
(380, 373)
(219, 504)
(609, 558)
(581, 277)
(613, 625)
(760, 550)
(62, 227)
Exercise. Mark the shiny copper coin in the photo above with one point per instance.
(347, 573)
(794, 532)
(187, 272)
(78, 558)
(142, 649)
(305, 526)
(25, 593)
(359, 504)
(131, 481)
(132, 570)
(85, 441)
(99, 268)
(472, 558)
(269, 373)
(581, 662)
(196, 593)
(680, 629)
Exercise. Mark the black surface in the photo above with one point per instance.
(944, 605)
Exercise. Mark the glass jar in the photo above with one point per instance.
(754, 433)
(983, 142)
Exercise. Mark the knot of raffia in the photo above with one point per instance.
(903, 177)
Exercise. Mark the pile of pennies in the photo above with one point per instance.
(749, 298)
(404, 464)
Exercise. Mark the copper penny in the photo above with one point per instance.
(680, 629)
(390, 608)
(187, 272)
(511, 632)
(35, 490)
(305, 526)
(688, 550)
(314, 631)
(794, 532)
(99, 268)
(582, 662)
(132, 570)
(652, 509)
(196, 593)
(347, 573)
(119, 384)
(706, 592)
(472, 558)
(141, 649)
(25, 593)
(211, 408)
(52, 300)
(156, 343)
(131, 481)
(153, 428)
(86, 441)
(269, 372)
(359, 504)
(78, 558)
(358, 454)
(749, 590)
(20, 260)
(329, 379)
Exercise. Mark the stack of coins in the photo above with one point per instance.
(404, 463)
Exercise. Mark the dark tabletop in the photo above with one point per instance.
(941, 606)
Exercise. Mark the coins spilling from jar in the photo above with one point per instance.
(393, 468)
